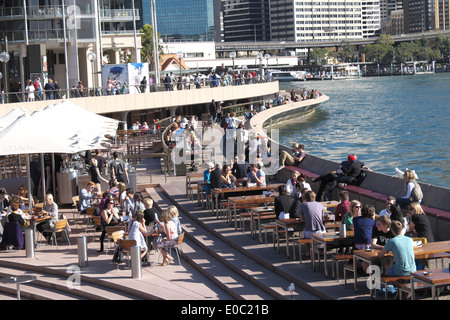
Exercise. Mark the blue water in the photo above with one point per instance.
(400, 121)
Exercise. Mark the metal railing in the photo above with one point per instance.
(64, 93)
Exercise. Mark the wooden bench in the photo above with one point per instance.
(335, 259)
(407, 288)
(396, 282)
(300, 243)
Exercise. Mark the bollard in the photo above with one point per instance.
(136, 266)
(82, 251)
(29, 242)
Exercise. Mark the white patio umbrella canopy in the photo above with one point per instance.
(60, 128)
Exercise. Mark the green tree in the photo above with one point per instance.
(318, 54)
(147, 53)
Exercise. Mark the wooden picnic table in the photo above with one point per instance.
(245, 202)
(239, 191)
(433, 278)
(371, 255)
(323, 239)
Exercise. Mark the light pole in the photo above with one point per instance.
(260, 56)
(232, 56)
(179, 56)
(4, 58)
(92, 56)
(267, 56)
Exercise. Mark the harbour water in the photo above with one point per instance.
(399, 121)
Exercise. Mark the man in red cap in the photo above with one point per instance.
(346, 173)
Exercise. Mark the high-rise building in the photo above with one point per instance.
(246, 20)
(185, 20)
(325, 20)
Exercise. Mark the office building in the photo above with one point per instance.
(54, 40)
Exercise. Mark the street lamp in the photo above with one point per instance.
(4, 58)
(232, 56)
(92, 56)
(260, 56)
(179, 56)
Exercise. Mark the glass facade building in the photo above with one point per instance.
(188, 20)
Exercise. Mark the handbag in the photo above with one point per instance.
(118, 256)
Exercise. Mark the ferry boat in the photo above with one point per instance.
(289, 75)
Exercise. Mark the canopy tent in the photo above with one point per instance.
(10, 117)
(59, 128)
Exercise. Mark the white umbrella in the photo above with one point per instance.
(10, 117)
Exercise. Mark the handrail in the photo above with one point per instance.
(74, 92)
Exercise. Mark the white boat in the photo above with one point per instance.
(289, 75)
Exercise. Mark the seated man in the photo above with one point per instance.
(257, 175)
(402, 250)
(346, 173)
(298, 154)
(86, 196)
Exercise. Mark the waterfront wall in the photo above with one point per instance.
(434, 197)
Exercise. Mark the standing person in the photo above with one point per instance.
(96, 176)
(109, 86)
(80, 89)
(402, 248)
(240, 167)
(212, 112)
(30, 89)
(143, 84)
(363, 226)
(49, 89)
(38, 88)
(413, 190)
(419, 223)
(57, 91)
(390, 201)
(219, 111)
(119, 169)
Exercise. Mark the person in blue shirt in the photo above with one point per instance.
(256, 174)
(363, 226)
(403, 251)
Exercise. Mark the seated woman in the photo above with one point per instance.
(171, 236)
(413, 190)
(137, 231)
(174, 214)
(226, 177)
(49, 208)
(110, 216)
(15, 214)
(397, 215)
(355, 210)
(419, 223)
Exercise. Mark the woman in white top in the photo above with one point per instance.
(137, 231)
(172, 236)
(30, 89)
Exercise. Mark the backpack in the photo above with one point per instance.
(360, 177)
(416, 193)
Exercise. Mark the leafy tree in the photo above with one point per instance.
(318, 54)
(147, 53)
